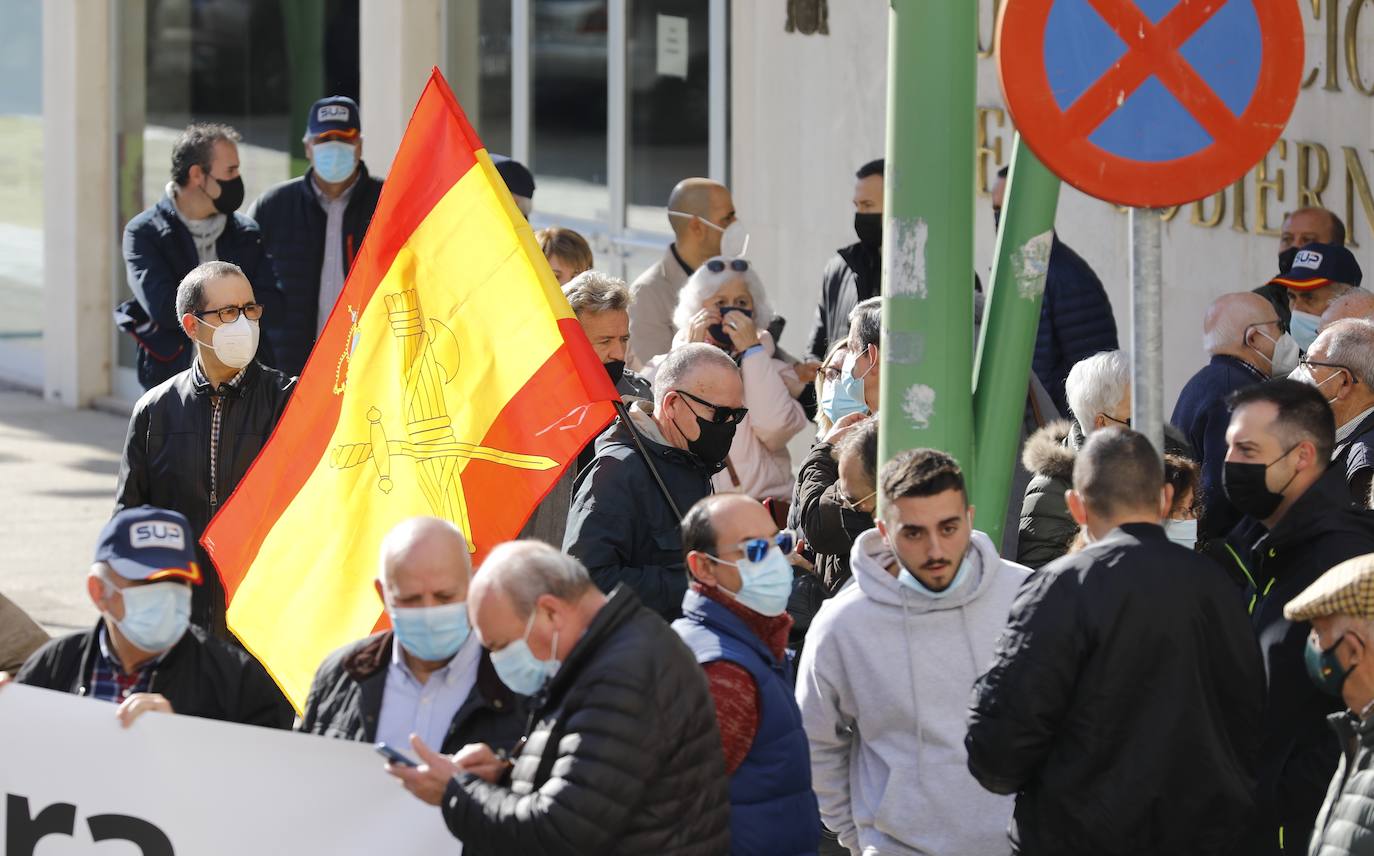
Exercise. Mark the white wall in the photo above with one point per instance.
(808, 110)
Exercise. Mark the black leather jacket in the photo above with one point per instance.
(167, 456)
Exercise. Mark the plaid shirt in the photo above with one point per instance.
(109, 682)
(216, 417)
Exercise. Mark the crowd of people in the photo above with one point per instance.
(699, 645)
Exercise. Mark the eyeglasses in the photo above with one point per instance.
(230, 314)
(1304, 361)
(755, 549)
(853, 504)
(718, 265)
(720, 415)
(1112, 418)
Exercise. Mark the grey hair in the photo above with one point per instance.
(866, 324)
(195, 146)
(1356, 303)
(1096, 385)
(682, 362)
(191, 291)
(1350, 343)
(594, 291)
(1228, 317)
(526, 570)
(704, 284)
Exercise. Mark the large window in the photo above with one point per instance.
(257, 65)
(21, 190)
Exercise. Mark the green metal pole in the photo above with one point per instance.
(304, 22)
(927, 339)
(1010, 319)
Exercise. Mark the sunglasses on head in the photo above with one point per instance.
(718, 265)
(720, 415)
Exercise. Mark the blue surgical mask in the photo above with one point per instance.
(334, 161)
(765, 585)
(519, 669)
(837, 403)
(909, 580)
(1182, 532)
(1303, 326)
(432, 633)
(155, 615)
(849, 390)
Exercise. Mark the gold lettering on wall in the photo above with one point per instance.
(1238, 209)
(1355, 183)
(1352, 47)
(1310, 194)
(988, 49)
(1263, 185)
(988, 146)
(1167, 215)
(1200, 217)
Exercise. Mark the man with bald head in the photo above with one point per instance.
(628, 504)
(1353, 304)
(1300, 228)
(1241, 333)
(701, 213)
(622, 754)
(1341, 366)
(427, 675)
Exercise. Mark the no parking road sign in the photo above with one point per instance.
(1150, 103)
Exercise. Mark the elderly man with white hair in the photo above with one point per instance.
(1353, 304)
(724, 304)
(622, 754)
(1242, 334)
(628, 504)
(427, 675)
(1340, 365)
(1099, 393)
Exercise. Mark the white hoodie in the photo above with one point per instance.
(883, 686)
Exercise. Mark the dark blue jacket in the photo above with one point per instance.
(293, 226)
(158, 252)
(1202, 414)
(1076, 321)
(773, 810)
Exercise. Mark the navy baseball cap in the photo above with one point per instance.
(335, 116)
(519, 180)
(147, 543)
(1316, 265)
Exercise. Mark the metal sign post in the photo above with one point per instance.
(1147, 326)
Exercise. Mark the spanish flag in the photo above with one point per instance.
(452, 379)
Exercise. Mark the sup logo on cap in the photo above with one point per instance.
(1308, 259)
(332, 113)
(160, 535)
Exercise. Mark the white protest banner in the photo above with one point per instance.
(75, 782)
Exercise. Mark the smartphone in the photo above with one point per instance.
(393, 756)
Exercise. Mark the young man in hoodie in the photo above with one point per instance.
(931, 596)
(734, 618)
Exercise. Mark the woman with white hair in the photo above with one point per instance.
(724, 304)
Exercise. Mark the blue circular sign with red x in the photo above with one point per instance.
(1150, 102)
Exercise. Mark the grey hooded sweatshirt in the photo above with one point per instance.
(883, 687)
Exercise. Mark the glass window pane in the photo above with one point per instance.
(669, 100)
(21, 180)
(569, 108)
(477, 64)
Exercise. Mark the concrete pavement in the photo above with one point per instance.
(57, 480)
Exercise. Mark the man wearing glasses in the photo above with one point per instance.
(734, 618)
(1340, 365)
(193, 437)
(628, 503)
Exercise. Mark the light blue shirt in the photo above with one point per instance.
(410, 707)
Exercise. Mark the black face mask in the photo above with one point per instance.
(717, 331)
(712, 446)
(1247, 490)
(616, 369)
(1286, 259)
(869, 228)
(230, 195)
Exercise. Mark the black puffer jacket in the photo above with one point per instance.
(346, 699)
(623, 755)
(620, 525)
(829, 527)
(200, 676)
(1299, 752)
(167, 456)
(293, 226)
(1124, 706)
(852, 275)
(1345, 826)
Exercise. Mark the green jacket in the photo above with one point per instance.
(1345, 826)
